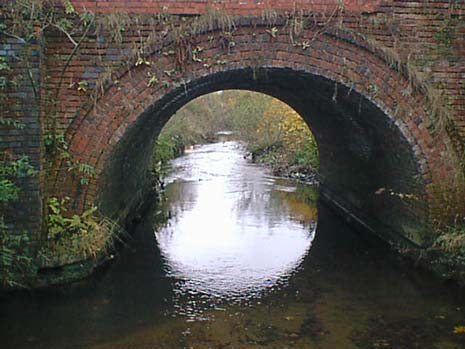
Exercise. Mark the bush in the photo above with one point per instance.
(78, 237)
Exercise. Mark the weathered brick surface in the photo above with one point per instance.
(426, 35)
(408, 28)
(239, 7)
(21, 104)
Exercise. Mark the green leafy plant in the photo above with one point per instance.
(153, 80)
(83, 85)
(169, 73)
(56, 145)
(77, 237)
(10, 170)
(86, 172)
(59, 225)
(69, 8)
(305, 45)
(12, 123)
(273, 32)
(16, 269)
(3, 64)
(142, 61)
(451, 241)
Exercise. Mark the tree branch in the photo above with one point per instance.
(13, 36)
(67, 34)
(62, 74)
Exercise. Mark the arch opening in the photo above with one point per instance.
(368, 167)
(229, 230)
(270, 131)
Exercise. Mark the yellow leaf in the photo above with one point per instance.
(459, 329)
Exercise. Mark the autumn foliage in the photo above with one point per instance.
(272, 132)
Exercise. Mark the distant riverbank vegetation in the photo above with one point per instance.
(272, 132)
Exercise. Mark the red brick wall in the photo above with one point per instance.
(22, 217)
(413, 30)
(429, 35)
(240, 7)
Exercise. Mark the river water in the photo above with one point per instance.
(235, 258)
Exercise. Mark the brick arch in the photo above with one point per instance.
(337, 79)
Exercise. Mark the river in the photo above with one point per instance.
(235, 258)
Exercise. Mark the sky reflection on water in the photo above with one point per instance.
(231, 235)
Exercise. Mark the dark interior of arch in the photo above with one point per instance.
(361, 149)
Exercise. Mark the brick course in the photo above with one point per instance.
(238, 7)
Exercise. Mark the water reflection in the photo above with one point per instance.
(232, 235)
(343, 294)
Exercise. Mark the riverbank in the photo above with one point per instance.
(445, 258)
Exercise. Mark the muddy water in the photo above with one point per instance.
(239, 262)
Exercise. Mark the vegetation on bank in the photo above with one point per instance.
(451, 239)
(446, 255)
(272, 132)
(75, 238)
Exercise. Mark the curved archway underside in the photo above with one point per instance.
(377, 156)
(361, 149)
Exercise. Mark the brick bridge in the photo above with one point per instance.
(381, 84)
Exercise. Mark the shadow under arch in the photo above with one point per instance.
(378, 154)
(367, 162)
